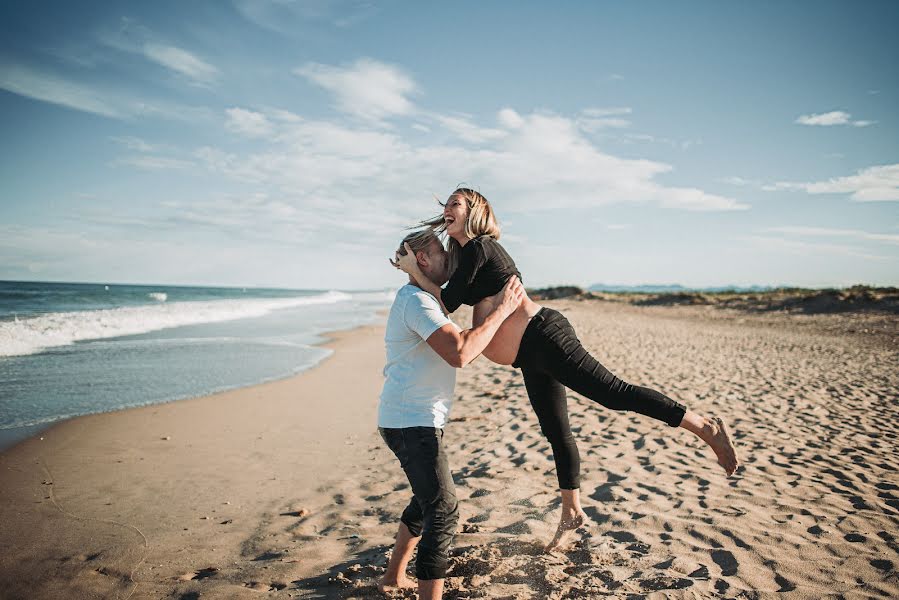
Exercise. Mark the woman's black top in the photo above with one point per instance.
(483, 270)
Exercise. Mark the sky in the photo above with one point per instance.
(290, 144)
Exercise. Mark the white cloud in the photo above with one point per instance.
(835, 117)
(46, 87)
(134, 38)
(154, 163)
(740, 181)
(288, 17)
(510, 119)
(367, 88)
(181, 61)
(594, 119)
(134, 143)
(250, 123)
(873, 184)
(606, 112)
(809, 248)
(468, 131)
(541, 160)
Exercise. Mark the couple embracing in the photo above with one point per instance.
(424, 349)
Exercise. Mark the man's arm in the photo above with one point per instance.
(458, 348)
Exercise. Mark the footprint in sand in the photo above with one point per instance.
(726, 561)
(663, 582)
(884, 565)
(199, 574)
(785, 584)
(258, 586)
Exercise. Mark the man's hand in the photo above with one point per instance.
(509, 298)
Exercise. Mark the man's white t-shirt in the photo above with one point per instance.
(418, 391)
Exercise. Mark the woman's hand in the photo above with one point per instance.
(407, 262)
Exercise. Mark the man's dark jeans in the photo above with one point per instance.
(433, 511)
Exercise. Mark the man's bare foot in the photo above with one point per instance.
(567, 524)
(386, 586)
(717, 435)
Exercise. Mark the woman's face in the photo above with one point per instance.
(455, 213)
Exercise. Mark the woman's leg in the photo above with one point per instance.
(562, 356)
(550, 404)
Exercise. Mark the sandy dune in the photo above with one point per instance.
(813, 512)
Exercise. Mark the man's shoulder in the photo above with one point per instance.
(409, 292)
(413, 298)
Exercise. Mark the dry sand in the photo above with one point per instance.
(302, 499)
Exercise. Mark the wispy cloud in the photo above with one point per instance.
(248, 122)
(31, 83)
(804, 248)
(594, 119)
(740, 181)
(285, 16)
(800, 230)
(134, 38)
(48, 87)
(367, 88)
(154, 163)
(873, 184)
(181, 61)
(134, 143)
(835, 117)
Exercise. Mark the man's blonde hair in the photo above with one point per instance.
(418, 241)
(480, 221)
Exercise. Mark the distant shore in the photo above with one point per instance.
(858, 298)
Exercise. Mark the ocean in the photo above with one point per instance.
(70, 349)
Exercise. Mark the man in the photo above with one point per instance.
(424, 348)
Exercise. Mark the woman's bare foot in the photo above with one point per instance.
(569, 522)
(387, 586)
(717, 435)
(714, 432)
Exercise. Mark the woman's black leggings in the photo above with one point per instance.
(552, 358)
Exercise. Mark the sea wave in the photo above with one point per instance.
(32, 335)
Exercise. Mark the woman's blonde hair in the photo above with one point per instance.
(480, 221)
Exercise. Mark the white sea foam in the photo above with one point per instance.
(32, 335)
(160, 296)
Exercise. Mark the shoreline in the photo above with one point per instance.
(124, 493)
(10, 438)
(13, 436)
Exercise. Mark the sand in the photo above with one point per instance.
(286, 490)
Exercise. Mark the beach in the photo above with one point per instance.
(285, 489)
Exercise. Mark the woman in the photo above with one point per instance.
(542, 343)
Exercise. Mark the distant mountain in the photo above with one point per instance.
(673, 288)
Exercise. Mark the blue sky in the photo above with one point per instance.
(288, 144)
